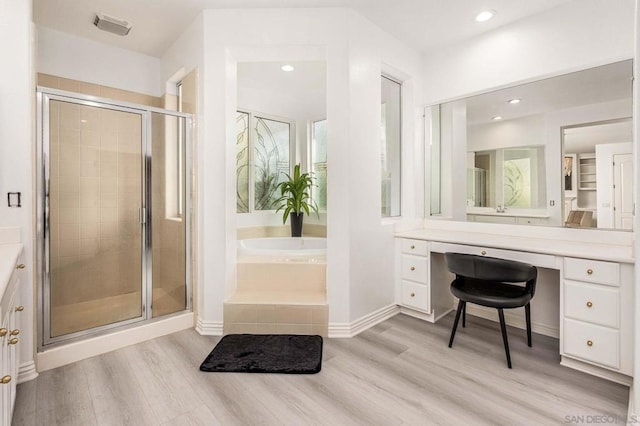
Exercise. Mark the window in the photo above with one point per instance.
(173, 140)
(390, 147)
(263, 146)
(180, 150)
(319, 162)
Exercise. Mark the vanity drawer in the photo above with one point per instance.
(592, 303)
(531, 221)
(536, 259)
(415, 295)
(592, 342)
(416, 247)
(414, 268)
(592, 271)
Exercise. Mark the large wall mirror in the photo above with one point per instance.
(554, 152)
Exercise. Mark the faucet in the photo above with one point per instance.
(501, 209)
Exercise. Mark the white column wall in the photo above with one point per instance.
(187, 53)
(17, 103)
(634, 396)
(360, 257)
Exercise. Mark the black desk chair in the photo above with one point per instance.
(492, 282)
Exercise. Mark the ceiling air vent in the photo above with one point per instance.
(113, 25)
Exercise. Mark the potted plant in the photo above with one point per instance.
(295, 199)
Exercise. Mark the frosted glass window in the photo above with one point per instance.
(242, 162)
(523, 178)
(319, 163)
(271, 160)
(390, 147)
(263, 147)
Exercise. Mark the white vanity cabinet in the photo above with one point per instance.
(414, 274)
(10, 313)
(414, 293)
(597, 317)
(587, 275)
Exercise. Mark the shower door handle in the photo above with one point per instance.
(143, 215)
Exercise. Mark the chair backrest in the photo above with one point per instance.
(492, 269)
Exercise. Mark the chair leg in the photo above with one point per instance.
(455, 322)
(464, 315)
(503, 326)
(527, 314)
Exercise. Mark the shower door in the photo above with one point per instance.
(97, 193)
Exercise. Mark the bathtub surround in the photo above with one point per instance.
(308, 230)
(279, 290)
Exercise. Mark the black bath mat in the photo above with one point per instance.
(265, 353)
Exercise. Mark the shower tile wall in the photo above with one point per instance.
(77, 86)
(95, 193)
(85, 244)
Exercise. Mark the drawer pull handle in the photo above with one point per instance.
(589, 343)
(13, 341)
(413, 268)
(589, 304)
(589, 271)
(5, 380)
(412, 247)
(3, 332)
(413, 294)
(15, 332)
(20, 266)
(483, 252)
(19, 308)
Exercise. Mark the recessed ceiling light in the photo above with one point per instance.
(514, 101)
(287, 68)
(485, 15)
(497, 117)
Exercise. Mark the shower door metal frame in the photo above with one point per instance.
(44, 96)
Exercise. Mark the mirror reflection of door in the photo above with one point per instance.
(604, 175)
(623, 193)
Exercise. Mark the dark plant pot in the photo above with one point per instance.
(296, 224)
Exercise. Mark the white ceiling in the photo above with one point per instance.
(421, 24)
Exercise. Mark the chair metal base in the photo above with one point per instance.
(462, 310)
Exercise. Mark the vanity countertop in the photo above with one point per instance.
(8, 257)
(554, 241)
(481, 211)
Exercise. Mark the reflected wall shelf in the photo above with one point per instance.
(587, 172)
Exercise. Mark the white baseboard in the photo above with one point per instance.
(604, 373)
(345, 330)
(514, 319)
(631, 411)
(76, 351)
(27, 371)
(209, 328)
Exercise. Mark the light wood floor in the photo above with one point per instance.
(399, 372)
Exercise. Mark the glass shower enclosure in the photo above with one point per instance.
(113, 214)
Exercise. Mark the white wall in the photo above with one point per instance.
(634, 396)
(576, 35)
(359, 273)
(17, 91)
(78, 58)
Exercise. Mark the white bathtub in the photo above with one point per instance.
(283, 247)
